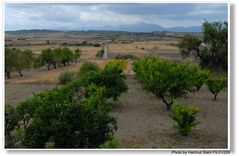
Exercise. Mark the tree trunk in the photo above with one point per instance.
(215, 97)
(48, 67)
(168, 104)
(54, 66)
(168, 107)
(19, 71)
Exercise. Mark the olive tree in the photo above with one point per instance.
(77, 54)
(10, 61)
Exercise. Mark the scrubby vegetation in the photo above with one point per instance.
(87, 67)
(185, 116)
(66, 77)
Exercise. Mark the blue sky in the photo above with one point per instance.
(106, 16)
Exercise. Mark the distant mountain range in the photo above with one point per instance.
(139, 27)
(142, 27)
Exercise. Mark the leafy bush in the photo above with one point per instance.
(100, 53)
(62, 122)
(125, 57)
(185, 116)
(11, 121)
(120, 64)
(114, 143)
(215, 85)
(66, 77)
(87, 67)
(200, 77)
(166, 79)
(110, 77)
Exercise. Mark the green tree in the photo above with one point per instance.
(188, 44)
(77, 54)
(57, 56)
(110, 77)
(68, 56)
(66, 123)
(10, 61)
(165, 79)
(24, 60)
(211, 50)
(216, 84)
(47, 58)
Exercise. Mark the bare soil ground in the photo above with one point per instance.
(15, 93)
(143, 121)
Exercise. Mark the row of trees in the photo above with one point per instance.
(169, 80)
(75, 115)
(17, 60)
(212, 50)
(56, 57)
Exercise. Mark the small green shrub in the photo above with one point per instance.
(114, 143)
(215, 85)
(100, 53)
(185, 116)
(87, 67)
(66, 77)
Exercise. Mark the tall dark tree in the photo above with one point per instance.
(24, 60)
(211, 51)
(10, 60)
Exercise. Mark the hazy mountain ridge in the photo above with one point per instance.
(140, 27)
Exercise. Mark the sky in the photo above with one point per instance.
(102, 16)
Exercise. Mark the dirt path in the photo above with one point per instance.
(143, 121)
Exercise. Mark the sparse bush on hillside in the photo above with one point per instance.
(185, 116)
(66, 77)
(215, 85)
